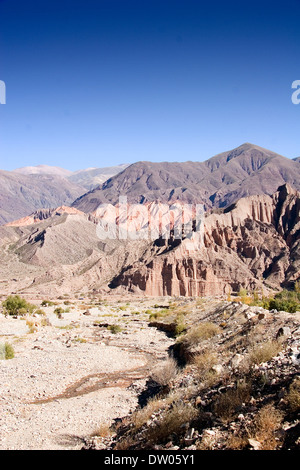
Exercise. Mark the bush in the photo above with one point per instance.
(285, 304)
(59, 311)
(180, 326)
(6, 351)
(293, 396)
(39, 311)
(47, 303)
(229, 403)
(264, 352)
(201, 332)
(204, 363)
(286, 300)
(266, 423)
(171, 422)
(114, 328)
(15, 305)
(31, 325)
(163, 374)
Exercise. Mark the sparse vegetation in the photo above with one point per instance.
(47, 303)
(171, 422)
(286, 300)
(79, 339)
(166, 372)
(7, 351)
(199, 333)
(266, 423)
(58, 312)
(114, 329)
(228, 404)
(32, 325)
(264, 352)
(204, 363)
(293, 396)
(16, 305)
(218, 395)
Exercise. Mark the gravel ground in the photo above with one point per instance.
(38, 409)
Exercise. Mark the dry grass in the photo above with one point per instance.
(140, 417)
(32, 325)
(229, 403)
(236, 442)
(263, 429)
(293, 396)
(266, 423)
(264, 352)
(204, 363)
(165, 372)
(104, 430)
(6, 351)
(195, 335)
(170, 423)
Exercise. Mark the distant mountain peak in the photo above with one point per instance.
(217, 182)
(43, 170)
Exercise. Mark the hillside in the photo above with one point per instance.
(27, 189)
(217, 182)
(91, 177)
(253, 244)
(20, 194)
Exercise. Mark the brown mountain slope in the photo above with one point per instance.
(92, 177)
(218, 182)
(255, 243)
(20, 195)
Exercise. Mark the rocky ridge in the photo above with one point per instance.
(252, 244)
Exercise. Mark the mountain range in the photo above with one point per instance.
(216, 182)
(252, 244)
(27, 189)
(50, 244)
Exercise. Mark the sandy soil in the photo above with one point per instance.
(72, 376)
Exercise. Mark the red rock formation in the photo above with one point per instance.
(253, 244)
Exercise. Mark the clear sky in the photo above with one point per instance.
(94, 83)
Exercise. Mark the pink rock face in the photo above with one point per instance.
(253, 244)
(42, 214)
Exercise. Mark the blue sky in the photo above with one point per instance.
(94, 83)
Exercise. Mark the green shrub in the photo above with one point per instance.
(114, 328)
(39, 311)
(15, 305)
(47, 303)
(180, 325)
(59, 311)
(286, 300)
(6, 351)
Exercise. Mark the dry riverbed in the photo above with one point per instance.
(71, 375)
